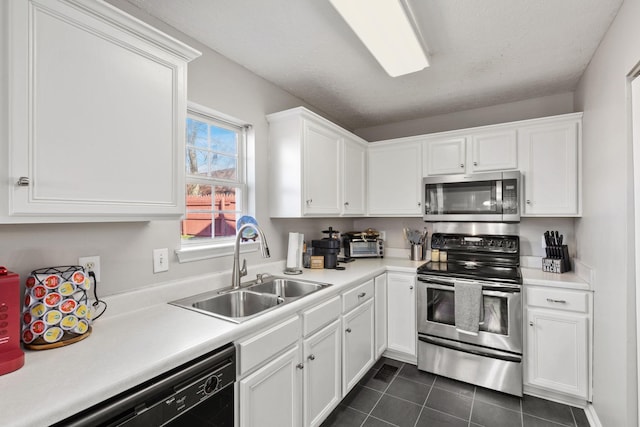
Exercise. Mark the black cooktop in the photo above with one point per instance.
(479, 257)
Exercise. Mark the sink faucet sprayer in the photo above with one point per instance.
(238, 272)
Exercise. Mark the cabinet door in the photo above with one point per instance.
(358, 353)
(550, 169)
(401, 303)
(354, 178)
(270, 397)
(492, 151)
(556, 353)
(97, 115)
(321, 176)
(445, 156)
(394, 179)
(322, 379)
(381, 314)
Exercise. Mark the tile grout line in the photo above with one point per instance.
(521, 412)
(473, 401)
(382, 393)
(424, 404)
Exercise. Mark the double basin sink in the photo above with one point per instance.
(253, 299)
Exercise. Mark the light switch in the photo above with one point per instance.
(160, 260)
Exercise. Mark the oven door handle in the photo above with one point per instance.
(466, 348)
(495, 289)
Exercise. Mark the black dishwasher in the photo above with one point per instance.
(198, 393)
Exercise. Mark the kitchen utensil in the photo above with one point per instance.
(11, 355)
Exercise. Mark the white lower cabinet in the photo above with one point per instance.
(271, 395)
(322, 368)
(358, 354)
(557, 346)
(380, 283)
(401, 312)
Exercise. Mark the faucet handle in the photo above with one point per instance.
(243, 270)
(260, 277)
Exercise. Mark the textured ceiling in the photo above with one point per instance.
(481, 52)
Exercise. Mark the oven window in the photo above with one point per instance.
(478, 197)
(441, 309)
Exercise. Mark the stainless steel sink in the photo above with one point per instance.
(250, 301)
(287, 288)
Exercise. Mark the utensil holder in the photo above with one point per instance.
(417, 252)
(557, 259)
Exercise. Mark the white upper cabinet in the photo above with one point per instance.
(321, 150)
(354, 171)
(550, 153)
(493, 150)
(445, 156)
(316, 168)
(395, 178)
(95, 112)
(471, 151)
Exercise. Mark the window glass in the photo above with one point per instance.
(215, 186)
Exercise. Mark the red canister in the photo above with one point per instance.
(11, 355)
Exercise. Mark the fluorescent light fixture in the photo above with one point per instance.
(385, 29)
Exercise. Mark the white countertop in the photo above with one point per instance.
(141, 336)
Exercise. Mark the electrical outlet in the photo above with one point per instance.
(383, 235)
(160, 260)
(91, 263)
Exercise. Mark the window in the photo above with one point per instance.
(215, 177)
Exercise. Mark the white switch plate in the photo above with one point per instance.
(160, 260)
(91, 263)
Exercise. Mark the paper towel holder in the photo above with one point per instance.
(294, 254)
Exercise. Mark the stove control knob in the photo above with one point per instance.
(212, 384)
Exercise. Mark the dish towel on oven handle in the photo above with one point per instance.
(468, 307)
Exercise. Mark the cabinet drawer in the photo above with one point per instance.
(320, 315)
(357, 295)
(560, 299)
(257, 349)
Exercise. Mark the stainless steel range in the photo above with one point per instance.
(470, 311)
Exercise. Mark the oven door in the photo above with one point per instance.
(502, 326)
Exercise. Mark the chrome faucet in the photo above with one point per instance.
(238, 272)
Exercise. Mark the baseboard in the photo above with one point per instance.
(402, 357)
(590, 412)
(555, 396)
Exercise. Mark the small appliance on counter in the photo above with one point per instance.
(11, 355)
(329, 247)
(363, 244)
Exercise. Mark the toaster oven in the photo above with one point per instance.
(363, 248)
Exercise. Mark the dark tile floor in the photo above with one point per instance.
(398, 394)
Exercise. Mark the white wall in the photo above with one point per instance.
(521, 110)
(605, 232)
(126, 248)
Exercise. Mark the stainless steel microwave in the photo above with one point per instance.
(493, 197)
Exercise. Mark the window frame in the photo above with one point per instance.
(221, 246)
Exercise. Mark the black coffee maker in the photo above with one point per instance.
(329, 247)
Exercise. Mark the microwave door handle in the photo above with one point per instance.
(499, 196)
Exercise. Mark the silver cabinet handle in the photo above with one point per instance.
(559, 301)
(311, 357)
(362, 295)
(462, 165)
(410, 288)
(300, 366)
(530, 323)
(346, 203)
(348, 330)
(528, 202)
(475, 163)
(23, 181)
(309, 201)
(419, 203)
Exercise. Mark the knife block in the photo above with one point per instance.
(557, 259)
